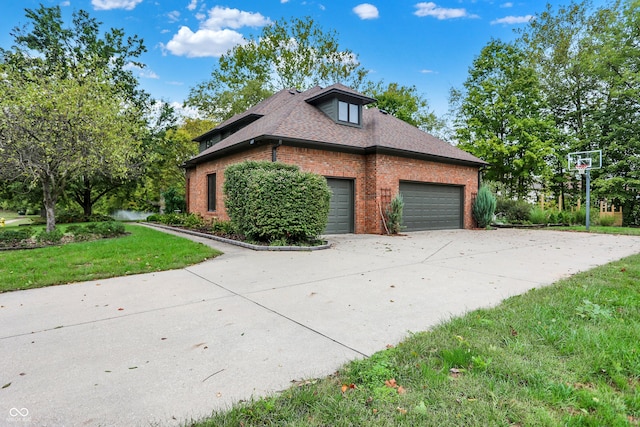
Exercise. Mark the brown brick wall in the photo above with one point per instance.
(386, 172)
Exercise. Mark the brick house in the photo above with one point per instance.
(366, 155)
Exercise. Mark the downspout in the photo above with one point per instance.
(274, 151)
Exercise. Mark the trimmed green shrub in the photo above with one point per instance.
(236, 187)
(13, 236)
(154, 218)
(484, 206)
(222, 227)
(514, 211)
(109, 229)
(50, 237)
(394, 214)
(275, 202)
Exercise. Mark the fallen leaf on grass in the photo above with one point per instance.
(401, 410)
(345, 387)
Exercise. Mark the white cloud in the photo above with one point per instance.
(284, 1)
(65, 3)
(366, 11)
(193, 5)
(148, 74)
(426, 71)
(174, 16)
(507, 4)
(431, 9)
(216, 34)
(203, 43)
(224, 17)
(513, 20)
(115, 4)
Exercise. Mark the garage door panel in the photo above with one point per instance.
(341, 206)
(431, 206)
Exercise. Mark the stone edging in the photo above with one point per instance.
(241, 244)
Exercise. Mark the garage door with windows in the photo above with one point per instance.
(431, 206)
(341, 207)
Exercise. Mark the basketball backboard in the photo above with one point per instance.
(582, 160)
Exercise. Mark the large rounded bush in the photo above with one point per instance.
(276, 202)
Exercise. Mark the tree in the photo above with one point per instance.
(405, 103)
(588, 62)
(560, 47)
(501, 119)
(76, 52)
(287, 54)
(50, 128)
(47, 49)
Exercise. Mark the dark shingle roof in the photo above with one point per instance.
(289, 116)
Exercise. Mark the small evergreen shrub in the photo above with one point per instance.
(14, 236)
(394, 214)
(484, 207)
(154, 218)
(109, 229)
(222, 227)
(50, 237)
(193, 220)
(514, 211)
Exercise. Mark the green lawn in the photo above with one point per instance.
(563, 355)
(599, 229)
(143, 250)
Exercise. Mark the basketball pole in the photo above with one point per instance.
(588, 197)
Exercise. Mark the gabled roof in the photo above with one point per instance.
(289, 116)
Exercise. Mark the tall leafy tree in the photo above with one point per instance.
(81, 59)
(294, 53)
(588, 64)
(560, 46)
(616, 32)
(405, 103)
(50, 128)
(500, 118)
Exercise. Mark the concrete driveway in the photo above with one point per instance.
(164, 348)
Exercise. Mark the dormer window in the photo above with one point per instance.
(348, 112)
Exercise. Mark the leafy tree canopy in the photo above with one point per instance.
(405, 103)
(293, 53)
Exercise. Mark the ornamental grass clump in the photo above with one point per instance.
(484, 206)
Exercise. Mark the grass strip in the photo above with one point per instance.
(144, 250)
(563, 355)
(598, 229)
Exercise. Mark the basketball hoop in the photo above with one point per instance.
(582, 168)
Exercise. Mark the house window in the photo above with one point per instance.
(211, 192)
(349, 113)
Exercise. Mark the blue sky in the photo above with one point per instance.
(425, 44)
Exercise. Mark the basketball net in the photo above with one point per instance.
(582, 168)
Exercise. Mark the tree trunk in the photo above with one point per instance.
(49, 199)
(87, 204)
